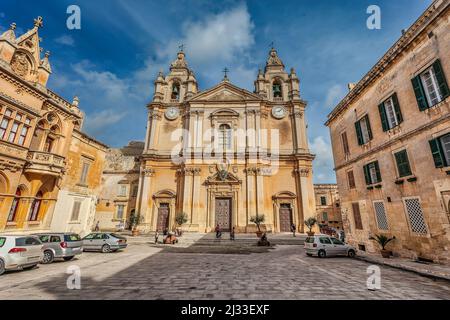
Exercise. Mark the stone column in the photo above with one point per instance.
(301, 143)
(144, 193)
(154, 118)
(305, 192)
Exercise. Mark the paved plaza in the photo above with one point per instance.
(205, 269)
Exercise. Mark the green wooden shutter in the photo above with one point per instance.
(404, 169)
(367, 174)
(420, 93)
(384, 121)
(377, 170)
(359, 133)
(369, 130)
(398, 112)
(437, 152)
(442, 83)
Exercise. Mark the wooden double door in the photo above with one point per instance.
(163, 217)
(285, 217)
(223, 213)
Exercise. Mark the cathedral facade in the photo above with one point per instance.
(224, 155)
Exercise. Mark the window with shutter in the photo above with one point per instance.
(363, 130)
(437, 153)
(430, 86)
(372, 173)
(357, 216)
(351, 179)
(401, 158)
(345, 143)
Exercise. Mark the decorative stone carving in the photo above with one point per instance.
(148, 172)
(20, 64)
(302, 172)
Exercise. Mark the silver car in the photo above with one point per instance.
(323, 245)
(60, 246)
(104, 242)
(19, 252)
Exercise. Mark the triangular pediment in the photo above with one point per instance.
(221, 178)
(225, 92)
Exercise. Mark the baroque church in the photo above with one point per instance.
(224, 155)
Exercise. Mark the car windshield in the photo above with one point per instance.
(2, 242)
(71, 237)
(28, 241)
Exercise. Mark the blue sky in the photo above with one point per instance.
(112, 61)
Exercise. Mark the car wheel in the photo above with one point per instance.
(322, 254)
(2, 267)
(68, 258)
(106, 248)
(48, 257)
(351, 253)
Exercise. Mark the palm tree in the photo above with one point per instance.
(382, 240)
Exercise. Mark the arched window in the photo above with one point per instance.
(49, 144)
(225, 136)
(14, 206)
(175, 91)
(35, 206)
(276, 88)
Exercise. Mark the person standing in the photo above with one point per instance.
(293, 229)
(232, 234)
(156, 236)
(97, 226)
(218, 232)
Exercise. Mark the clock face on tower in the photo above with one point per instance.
(172, 113)
(278, 112)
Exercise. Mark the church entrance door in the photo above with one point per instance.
(163, 217)
(285, 217)
(223, 213)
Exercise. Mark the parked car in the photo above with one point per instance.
(104, 241)
(19, 252)
(60, 245)
(323, 245)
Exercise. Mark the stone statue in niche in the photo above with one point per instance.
(20, 65)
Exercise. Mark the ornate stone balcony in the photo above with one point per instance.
(44, 163)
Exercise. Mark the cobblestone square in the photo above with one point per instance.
(144, 271)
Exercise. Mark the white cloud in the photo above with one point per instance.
(324, 163)
(94, 123)
(103, 83)
(334, 95)
(218, 41)
(65, 40)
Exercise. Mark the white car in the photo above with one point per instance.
(19, 252)
(323, 245)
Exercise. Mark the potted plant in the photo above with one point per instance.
(258, 219)
(383, 240)
(310, 222)
(135, 220)
(181, 218)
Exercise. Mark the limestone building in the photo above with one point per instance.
(119, 186)
(328, 210)
(36, 127)
(391, 144)
(225, 154)
(80, 187)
